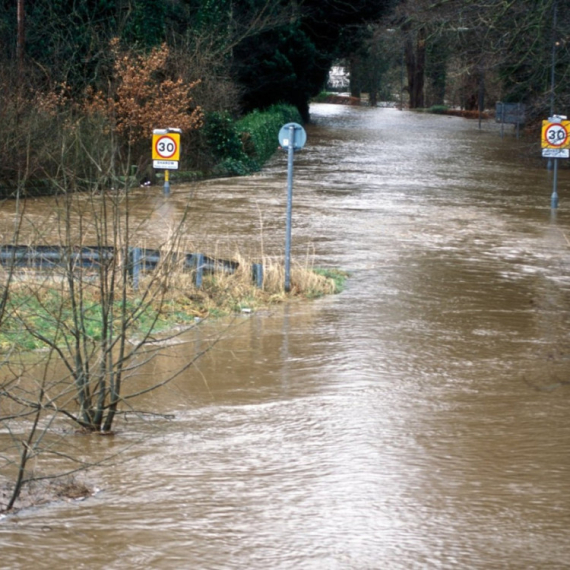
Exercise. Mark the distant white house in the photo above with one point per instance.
(339, 79)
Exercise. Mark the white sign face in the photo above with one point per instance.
(556, 152)
(556, 135)
(166, 147)
(165, 164)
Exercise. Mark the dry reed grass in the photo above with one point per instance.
(224, 292)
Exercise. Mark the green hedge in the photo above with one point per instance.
(243, 146)
(438, 109)
(259, 130)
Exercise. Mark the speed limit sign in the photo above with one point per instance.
(555, 135)
(166, 146)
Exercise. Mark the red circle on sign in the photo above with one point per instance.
(165, 146)
(556, 134)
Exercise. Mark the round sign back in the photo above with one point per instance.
(292, 134)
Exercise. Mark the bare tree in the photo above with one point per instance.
(462, 48)
(96, 331)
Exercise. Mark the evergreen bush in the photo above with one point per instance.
(222, 137)
(243, 146)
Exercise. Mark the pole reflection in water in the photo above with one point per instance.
(418, 420)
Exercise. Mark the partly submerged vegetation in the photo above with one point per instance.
(39, 314)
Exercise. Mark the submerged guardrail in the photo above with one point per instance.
(140, 259)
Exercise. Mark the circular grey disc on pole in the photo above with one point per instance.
(299, 133)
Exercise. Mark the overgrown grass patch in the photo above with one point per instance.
(338, 276)
(42, 313)
(36, 318)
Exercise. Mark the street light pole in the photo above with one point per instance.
(481, 97)
(290, 151)
(553, 64)
(552, 162)
(402, 64)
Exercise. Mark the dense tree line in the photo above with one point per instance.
(247, 54)
(265, 51)
(136, 64)
(254, 53)
(461, 52)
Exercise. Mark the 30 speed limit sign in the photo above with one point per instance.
(555, 135)
(166, 146)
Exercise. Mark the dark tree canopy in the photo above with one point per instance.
(291, 64)
(281, 50)
(277, 50)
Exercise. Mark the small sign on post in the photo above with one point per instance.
(292, 137)
(166, 152)
(510, 113)
(555, 143)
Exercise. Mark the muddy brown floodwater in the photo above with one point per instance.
(417, 420)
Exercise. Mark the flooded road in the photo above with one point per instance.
(417, 420)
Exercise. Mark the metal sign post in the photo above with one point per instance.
(555, 142)
(292, 137)
(166, 152)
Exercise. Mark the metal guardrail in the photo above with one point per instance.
(140, 259)
(46, 256)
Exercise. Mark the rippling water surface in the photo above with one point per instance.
(418, 420)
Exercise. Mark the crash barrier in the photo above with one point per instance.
(42, 257)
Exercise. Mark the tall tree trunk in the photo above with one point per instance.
(355, 76)
(21, 39)
(415, 56)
